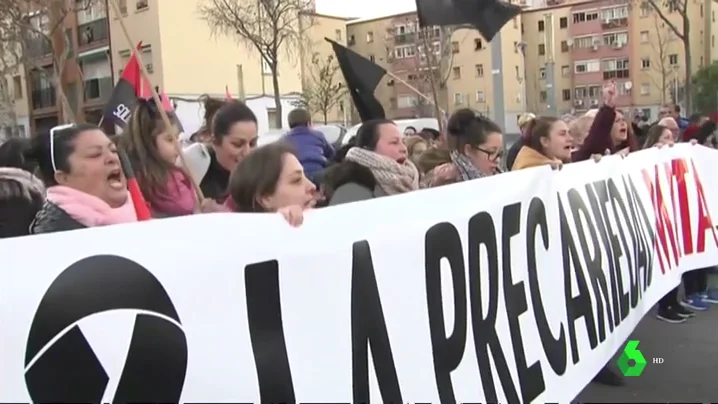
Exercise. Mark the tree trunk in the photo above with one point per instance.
(325, 116)
(277, 98)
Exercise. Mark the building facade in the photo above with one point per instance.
(576, 47)
(79, 41)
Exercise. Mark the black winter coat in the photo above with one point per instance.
(51, 219)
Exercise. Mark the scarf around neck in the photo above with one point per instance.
(90, 210)
(467, 169)
(392, 177)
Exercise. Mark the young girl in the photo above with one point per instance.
(152, 148)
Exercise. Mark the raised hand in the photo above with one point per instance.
(609, 94)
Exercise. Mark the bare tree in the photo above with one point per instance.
(664, 9)
(274, 28)
(661, 62)
(321, 90)
(34, 33)
(9, 66)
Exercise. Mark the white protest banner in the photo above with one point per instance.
(514, 288)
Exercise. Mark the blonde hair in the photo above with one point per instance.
(525, 118)
(578, 129)
(412, 141)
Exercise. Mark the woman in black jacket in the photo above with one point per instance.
(85, 183)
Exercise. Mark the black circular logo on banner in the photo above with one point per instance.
(60, 365)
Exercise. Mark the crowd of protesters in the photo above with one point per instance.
(72, 177)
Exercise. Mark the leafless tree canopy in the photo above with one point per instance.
(660, 63)
(322, 91)
(31, 32)
(664, 9)
(272, 27)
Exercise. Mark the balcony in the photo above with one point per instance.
(405, 39)
(98, 90)
(43, 98)
(614, 23)
(38, 46)
(92, 33)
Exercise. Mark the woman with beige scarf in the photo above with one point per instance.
(377, 165)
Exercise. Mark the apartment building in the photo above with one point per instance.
(470, 84)
(186, 60)
(576, 47)
(397, 44)
(87, 73)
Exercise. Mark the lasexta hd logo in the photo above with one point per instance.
(632, 362)
(60, 364)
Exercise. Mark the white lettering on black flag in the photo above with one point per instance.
(475, 292)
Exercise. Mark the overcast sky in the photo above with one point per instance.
(364, 8)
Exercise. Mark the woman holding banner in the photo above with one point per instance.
(86, 186)
(476, 147)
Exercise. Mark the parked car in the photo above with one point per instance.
(418, 124)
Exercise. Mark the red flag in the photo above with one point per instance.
(227, 93)
(129, 87)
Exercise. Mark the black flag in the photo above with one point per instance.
(362, 76)
(487, 16)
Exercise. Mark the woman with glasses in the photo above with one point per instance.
(476, 147)
(85, 183)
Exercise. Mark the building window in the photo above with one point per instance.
(673, 59)
(579, 93)
(563, 22)
(351, 40)
(585, 16)
(541, 49)
(456, 72)
(583, 42)
(458, 98)
(541, 26)
(266, 68)
(564, 46)
(17, 87)
(645, 89)
(404, 52)
(338, 34)
(566, 95)
(479, 70)
(123, 6)
(615, 13)
(272, 118)
(644, 36)
(480, 96)
(454, 47)
(146, 54)
(645, 63)
(616, 69)
(542, 73)
(543, 96)
(565, 70)
(142, 5)
(407, 101)
(370, 37)
(587, 66)
(372, 58)
(478, 44)
(615, 39)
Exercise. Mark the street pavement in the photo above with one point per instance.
(688, 374)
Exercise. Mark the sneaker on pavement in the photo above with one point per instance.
(670, 316)
(710, 296)
(695, 302)
(683, 312)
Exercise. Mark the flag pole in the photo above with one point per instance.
(156, 98)
(414, 89)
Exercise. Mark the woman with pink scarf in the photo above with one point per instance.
(85, 184)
